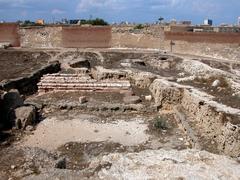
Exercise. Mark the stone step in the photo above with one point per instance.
(73, 82)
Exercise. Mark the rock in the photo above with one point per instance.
(101, 73)
(79, 63)
(126, 65)
(165, 93)
(167, 164)
(13, 166)
(29, 128)
(38, 105)
(24, 116)
(82, 99)
(12, 100)
(216, 83)
(138, 62)
(5, 45)
(143, 79)
(61, 163)
(148, 98)
(132, 99)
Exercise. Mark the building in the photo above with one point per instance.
(185, 22)
(208, 22)
(40, 22)
(74, 21)
(239, 21)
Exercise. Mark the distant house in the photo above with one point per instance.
(40, 22)
(208, 22)
(74, 21)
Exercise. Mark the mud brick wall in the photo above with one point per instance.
(41, 37)
(86, 37)
(215, 50)
(203, 37)
(9, 34)
(128, 37)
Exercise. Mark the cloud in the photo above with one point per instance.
(57, 12)
(86, 5)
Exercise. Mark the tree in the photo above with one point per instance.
(94, 22)
(160, 19)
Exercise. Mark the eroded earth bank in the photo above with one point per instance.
(118, 114)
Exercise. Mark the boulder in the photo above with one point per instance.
(82, 99)
(24, 116)
(12, 100)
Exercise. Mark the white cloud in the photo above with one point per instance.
(57, 11)
(85, 5)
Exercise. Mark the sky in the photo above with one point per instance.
(139, 11)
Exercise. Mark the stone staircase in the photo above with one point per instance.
(79, 82)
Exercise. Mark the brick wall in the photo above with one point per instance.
(9, 33)
(86, 37)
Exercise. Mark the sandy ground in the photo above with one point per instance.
(52, 132)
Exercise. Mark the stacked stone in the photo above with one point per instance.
(74, 82)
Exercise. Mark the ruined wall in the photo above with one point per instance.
(207, 37)
(130, 40)
(217, 45)
(84, 37)
(128, 37)
(41, 37)
(9, 34)
(221, 51)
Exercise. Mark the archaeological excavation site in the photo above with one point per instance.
(116, 103)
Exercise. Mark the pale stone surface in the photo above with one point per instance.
(132, 99)
(197, 68)
(101, 73)
(168, 164)
(52, 132)
(24, 116)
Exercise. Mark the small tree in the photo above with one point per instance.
(160, 19)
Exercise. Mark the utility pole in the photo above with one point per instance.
(171, 45)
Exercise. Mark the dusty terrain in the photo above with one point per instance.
(179, 119)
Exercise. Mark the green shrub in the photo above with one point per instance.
(160, 123)
(95, 22)
(139, 26)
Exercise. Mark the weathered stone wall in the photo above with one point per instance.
(215, 125)
(126, 36)
(9, 34)
(214, 122)
(41, 37)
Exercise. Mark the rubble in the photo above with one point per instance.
(121, 114)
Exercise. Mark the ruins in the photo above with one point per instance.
(118, 103)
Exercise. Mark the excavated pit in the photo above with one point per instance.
(92, 104)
